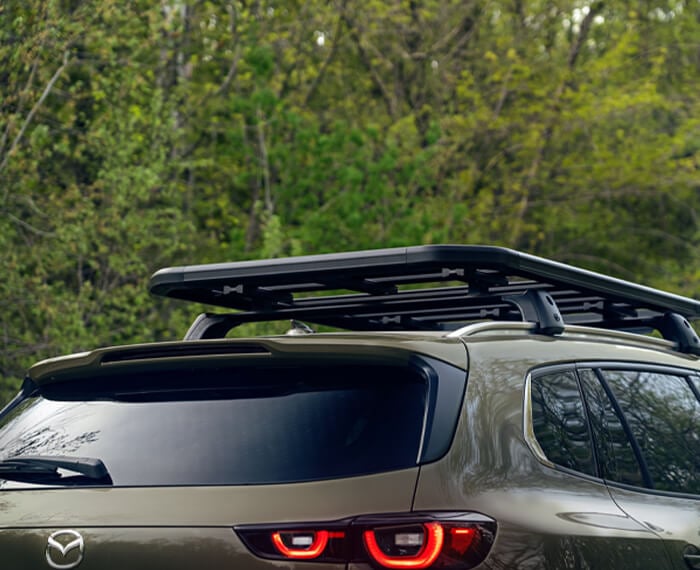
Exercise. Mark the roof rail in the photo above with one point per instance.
(435, 287)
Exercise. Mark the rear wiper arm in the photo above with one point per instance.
(50, 464)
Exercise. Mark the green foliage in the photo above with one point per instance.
(144, 134)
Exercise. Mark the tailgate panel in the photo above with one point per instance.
(183, 528)
(140, 548)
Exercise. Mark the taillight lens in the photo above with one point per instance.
(450, 541)
(326, 542)
(303, 545)
(405, 547)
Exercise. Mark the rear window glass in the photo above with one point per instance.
(237, 426)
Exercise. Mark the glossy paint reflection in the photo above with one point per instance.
(547, 518)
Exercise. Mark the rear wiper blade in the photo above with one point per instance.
(43, 465)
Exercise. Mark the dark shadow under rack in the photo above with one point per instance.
(380, 290)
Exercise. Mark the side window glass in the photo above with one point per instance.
(559, 421)
(616, 456)
(663, 415)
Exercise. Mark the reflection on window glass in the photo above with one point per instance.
(664, 417)
(559, 421)
(615, 454)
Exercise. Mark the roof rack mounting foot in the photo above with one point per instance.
(211, 325)
(676, 328)
(538, 307)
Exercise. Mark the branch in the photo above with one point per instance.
(269, 204)
(29, 227)
(548, 129)
(586, 24)
(30, 115)
(297, 41)
(226, 83)
(233, 28)
(467, 27)
(504, 95)
(20, 108)
(334, 49)
(28, 201)
(367, 62)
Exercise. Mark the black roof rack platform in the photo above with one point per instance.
(434, 287)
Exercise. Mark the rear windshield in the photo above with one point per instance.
(237, 426)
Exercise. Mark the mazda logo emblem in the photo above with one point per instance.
(65, 549)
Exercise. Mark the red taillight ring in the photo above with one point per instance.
(319, 543)
(429, 552)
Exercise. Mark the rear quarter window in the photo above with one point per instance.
(559, 420)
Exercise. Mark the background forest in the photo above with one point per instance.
(141, 134)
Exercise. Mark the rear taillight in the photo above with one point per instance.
(303, 545)
(450, 541)
(405, 547)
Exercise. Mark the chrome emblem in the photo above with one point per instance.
(60, 547)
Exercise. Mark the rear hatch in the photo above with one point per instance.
(200, 454)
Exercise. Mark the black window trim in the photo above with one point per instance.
(446, 386)
(27, 390)
(693, 386)
(591, 434)
(636, 449)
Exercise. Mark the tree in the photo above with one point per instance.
(158, 133)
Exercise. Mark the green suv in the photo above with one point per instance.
(447, 407)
